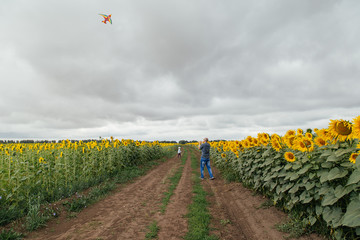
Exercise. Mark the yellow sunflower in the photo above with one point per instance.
(319, 141)
(290, 133)
(276, 145)
(309, 144)
(275, 136)
(353, 157)
(301, 146)
(356, 127)
(300, 131)
(290, 157)
(289, 141)
(308, 135)
(340, 129)
(223, 155)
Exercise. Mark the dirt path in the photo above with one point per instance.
(128, 212)
(123, 215)
(173, 224)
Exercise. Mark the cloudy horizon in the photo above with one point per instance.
(173, 70)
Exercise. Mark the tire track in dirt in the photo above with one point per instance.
(173, 224)
(123, 215)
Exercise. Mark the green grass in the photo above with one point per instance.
(10, 235)
(198, 215)
(153, 231)
(294, 227)
(35, 218)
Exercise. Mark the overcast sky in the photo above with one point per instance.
(176, 69)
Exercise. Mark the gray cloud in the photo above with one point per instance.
(176, 69)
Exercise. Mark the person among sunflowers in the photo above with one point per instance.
(179, 152)
(205, 158)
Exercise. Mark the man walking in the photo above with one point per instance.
(205, 158)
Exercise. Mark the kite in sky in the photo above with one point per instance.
(106, 18)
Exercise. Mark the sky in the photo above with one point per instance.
(176, 69)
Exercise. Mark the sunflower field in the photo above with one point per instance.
(47, 172)
(315, 175)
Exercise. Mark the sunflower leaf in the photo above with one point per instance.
(351, 217)
(354, 177)
(332, 158)
(337, 173)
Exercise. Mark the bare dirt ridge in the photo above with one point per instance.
(129, 210)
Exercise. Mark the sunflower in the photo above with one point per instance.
(290, 133)
(356, 127)
(290, 157)
(353, 157)
(309, 144)
(340, 129)
(276, 145)
(290, 140)
(275, 136)
(319, 141)
(246, 144)
(301, 146)
(300, 131)
(264, 141)
(223, 155)
(308, 135)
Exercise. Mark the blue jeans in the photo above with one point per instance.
(203, 162)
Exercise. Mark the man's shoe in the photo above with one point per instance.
(212, 178)
(201, 178)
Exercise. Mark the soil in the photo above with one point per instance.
(130, 209)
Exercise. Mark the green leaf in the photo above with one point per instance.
(333, 216)
(295, 199)
(319, 210)
(347, 164)
(352, 215)
(276, 169)
(341, 191)
(341, 152)
(354, 177)
(327, 165)
(272, 185)
(337, 173)
(296, 166)
(287, 187)
(294, 189)
(294, 176)
(312, 220)
(288, 166)
(309, 186)
(326, 153)
(323, 176)
(332, 158)
(357, 162)
(330, 198)
(304, 169)
(312, 175)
